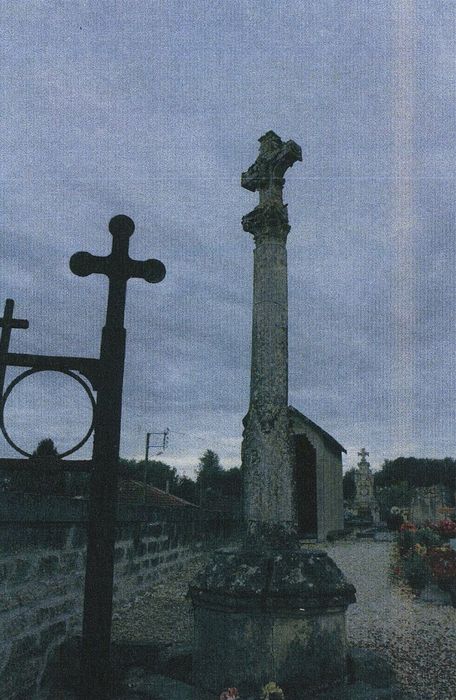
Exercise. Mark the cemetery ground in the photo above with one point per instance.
(417, 638)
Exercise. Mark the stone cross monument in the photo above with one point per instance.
(266, 451)
(269, 609)
(364, 481)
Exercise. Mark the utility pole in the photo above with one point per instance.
(163, 446)
(146, 464)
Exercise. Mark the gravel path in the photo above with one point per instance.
(418, 638)
(163, 614)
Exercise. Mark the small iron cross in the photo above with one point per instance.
(118, 267)
(363, 454)
(266, 174)
(6, 324)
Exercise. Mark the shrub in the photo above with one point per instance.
(394, 521)
(427, 537)
(407, 540)
(416, 570)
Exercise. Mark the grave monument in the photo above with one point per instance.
(269, 610)
(365, 501)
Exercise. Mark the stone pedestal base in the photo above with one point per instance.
(270, 614)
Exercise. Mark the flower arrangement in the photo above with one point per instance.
(271, 691)
(442, 563)
(445, 528)
(423, 557)
(230, 694)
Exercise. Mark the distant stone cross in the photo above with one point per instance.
(6, 324)
(363, 454)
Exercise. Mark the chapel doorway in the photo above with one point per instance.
(306, 486)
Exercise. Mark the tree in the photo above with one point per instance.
(186, 488)
(45, 448)
(399, 494)
(44, 478)
(231, 482)
(209, 475)
(417, 472)
(158, 474)
(348, 485)
(209, 465)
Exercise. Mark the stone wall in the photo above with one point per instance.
(42, 564)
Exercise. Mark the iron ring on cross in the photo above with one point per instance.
(29, 372)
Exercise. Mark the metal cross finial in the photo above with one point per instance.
(118, 267)
(6, 324)
(266, 174)
(363, 454)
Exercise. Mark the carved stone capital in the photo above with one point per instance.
(268, 220)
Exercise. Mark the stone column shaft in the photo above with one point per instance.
(266, 451)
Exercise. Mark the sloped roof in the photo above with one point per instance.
(326, 437)
(133, 492)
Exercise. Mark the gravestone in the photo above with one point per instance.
(269, 610)
(364, 482)
(431, 503)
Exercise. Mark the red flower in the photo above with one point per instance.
(445, 527)
(442, 563)
(230, 694)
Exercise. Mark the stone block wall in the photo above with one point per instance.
(42, 567)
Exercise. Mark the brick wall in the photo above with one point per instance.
(42, 573)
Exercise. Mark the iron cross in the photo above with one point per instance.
(96, 627)
(363, 454)
(118, 267)
(6, 324)
(266, 173)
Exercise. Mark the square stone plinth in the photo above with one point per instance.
(250, 648)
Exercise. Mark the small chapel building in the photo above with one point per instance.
(317, 477)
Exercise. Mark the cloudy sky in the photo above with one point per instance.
(153, 108)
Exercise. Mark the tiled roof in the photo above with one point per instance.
(133, 492)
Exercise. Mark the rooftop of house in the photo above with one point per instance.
(133, 492)
(326, 437)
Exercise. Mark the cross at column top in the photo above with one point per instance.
(266, 173)
(363, 454)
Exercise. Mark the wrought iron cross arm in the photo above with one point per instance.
(149, 270)
(8, 321)
(84, 264)
(88, 366)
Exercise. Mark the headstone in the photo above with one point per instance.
(269, 610)
(431, 503)
(364, 481)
